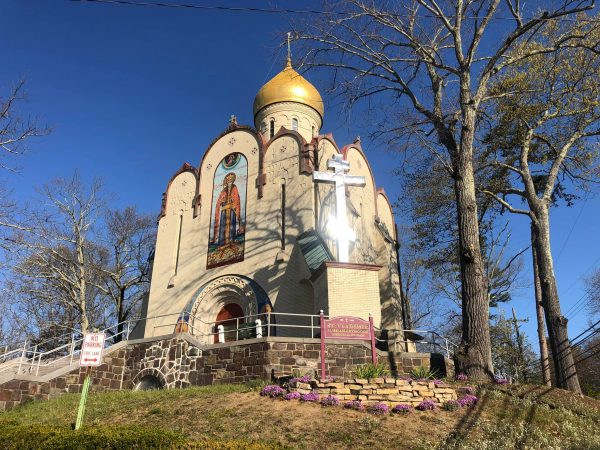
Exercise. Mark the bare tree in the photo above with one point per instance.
(593, 287)
(57, 258)
(124, 279)
(546, 140)
(16, 132)
(427, 57)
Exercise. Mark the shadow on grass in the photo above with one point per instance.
(465, 431)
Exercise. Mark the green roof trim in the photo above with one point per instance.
(314, 250)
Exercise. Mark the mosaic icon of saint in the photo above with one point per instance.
(228, 213)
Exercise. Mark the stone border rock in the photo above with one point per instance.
(391, 391)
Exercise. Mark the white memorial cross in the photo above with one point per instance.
(341, 180)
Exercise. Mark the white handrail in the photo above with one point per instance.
(30, 359)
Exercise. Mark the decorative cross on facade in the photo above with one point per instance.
(341, 180)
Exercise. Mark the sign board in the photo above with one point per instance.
(345, 327)
(92, 349)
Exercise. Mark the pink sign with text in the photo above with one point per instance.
(345, 327)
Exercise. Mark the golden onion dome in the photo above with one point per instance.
(288, 86)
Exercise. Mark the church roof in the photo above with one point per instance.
(313, 249)
(288, 86)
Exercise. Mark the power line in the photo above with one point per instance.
(572, 227)
(304, 11)
(589, 356)
(582, 333)
(578, 302)
(587, 338)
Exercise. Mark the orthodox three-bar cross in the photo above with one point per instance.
(341, 180)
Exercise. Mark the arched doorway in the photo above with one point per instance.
(148, 383)
(228, 317)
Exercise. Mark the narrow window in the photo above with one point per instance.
(178, 243)
(272, 128)
(283, 216)
(313, 131)
(294, 124)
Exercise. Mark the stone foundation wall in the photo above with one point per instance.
(179, 361)
(392, 391)
(110, 376)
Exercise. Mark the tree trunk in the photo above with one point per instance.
(474, 356)
(566, 374)
(539, 309)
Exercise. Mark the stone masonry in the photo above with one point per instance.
(179, 361)
(391, 391)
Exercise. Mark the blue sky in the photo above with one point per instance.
(133, 92)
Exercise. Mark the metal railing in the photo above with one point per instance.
(239, 328)
(422, 341)
(30, 359)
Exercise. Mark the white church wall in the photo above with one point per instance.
(309, 121)
(325, 196)
(385, 213)
(282, 167)
(178, 214)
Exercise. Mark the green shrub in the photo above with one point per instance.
(22, 437)
(14, 436)
(423, 373)
(257, 384)
(371, 370)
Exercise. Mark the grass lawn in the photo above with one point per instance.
(235, 416)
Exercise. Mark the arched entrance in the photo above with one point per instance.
(229, 317)
(224, 298)
(148, 383)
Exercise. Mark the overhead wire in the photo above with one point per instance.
(256, 9)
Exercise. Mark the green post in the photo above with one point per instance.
(84, 394)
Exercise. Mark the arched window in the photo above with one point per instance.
(272, 128)
(313, 131)
(294, 124)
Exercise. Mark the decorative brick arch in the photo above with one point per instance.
(149, 371)
(206, 303)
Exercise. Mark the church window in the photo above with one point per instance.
(178, 247)
(228, 214)
(313, 131)
(272, 128)
(283, 216)
(294, 124)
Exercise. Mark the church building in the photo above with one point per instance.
(276, 222)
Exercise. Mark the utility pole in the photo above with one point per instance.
(521, 357)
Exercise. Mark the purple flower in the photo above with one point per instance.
(469, 390)
(303, 379)
(502, 381)
(272, 391)
(354, 404)
(426, 405)
(438, 382)
(379, 409)
(461, 377)
(467, 400)
(401, 409)
(292, 396)
(312, 397)
(330, 400)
